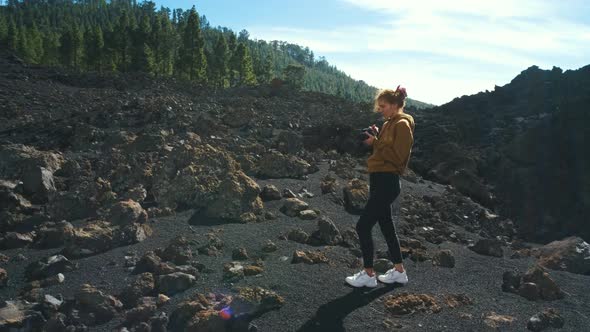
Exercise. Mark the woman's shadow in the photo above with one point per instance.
(330, 316)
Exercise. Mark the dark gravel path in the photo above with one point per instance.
(317, 299)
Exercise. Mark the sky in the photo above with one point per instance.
(438, 50)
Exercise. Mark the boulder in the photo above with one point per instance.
(38, 183)
(488, 247)
(277, 165)
(293, 206)
(571, 254)
(127, 212)
(50, 266)
(93, 301)
(173, 283)
(356, 195)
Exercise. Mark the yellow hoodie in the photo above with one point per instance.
(393, 145)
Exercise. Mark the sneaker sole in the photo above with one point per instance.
(393, 282)
(376, 284)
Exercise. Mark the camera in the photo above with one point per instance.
(365, 132)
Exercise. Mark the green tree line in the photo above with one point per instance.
(124, 35)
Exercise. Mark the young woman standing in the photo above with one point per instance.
(392, 146)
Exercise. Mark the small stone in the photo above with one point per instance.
(240, 254)
(308, 215)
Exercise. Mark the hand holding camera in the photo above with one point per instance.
(369, 134)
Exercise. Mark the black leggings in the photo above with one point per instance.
(384, 188)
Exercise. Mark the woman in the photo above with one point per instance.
(391, 152)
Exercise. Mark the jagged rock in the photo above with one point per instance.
(16, 159)
(240, 254)
(47, 282)
(205, 178)
(93, 238)
(308, 214)
(456, 300)
(14, 240)
(173, 283)
(534, 285)
(3, 277)
(444, 258)
(10, 200)
(150, 262)
(350, 238)
(309, 257)
(547, 286)
(252, 270)
(52, 235)
(143, 285)
(356, 194)
(270, 193)
(327, 232)
(137, 194)
(293, 206)
(178, 251)
(406, 303)
(298, 235)
(38, 183)
(496, 321)
(91, 300)
(511, 281)
(549, 317)
(20, 315)
(213, 246)
(48, 267)
(304, 193)
(269, 246)
(571, 254)
(276, 165)
(233, 271)
(71, 206)
(529, 291)
(127, 212)
(130, 234)
(488, 247)
(328, 184)
(141, 313)
(288, 193)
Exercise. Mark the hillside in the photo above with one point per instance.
(130, 203)
(127, 36)
(522, 147)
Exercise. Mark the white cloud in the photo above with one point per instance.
(447, 43)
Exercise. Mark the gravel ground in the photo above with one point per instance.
(317, 298)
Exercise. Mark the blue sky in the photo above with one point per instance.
(437, 49)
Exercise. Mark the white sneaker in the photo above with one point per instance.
(362, 279)
(392, 276)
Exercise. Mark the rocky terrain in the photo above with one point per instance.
(520, 150)
(134, 204)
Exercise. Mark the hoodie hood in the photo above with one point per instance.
(403, 116)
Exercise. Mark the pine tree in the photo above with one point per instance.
(34, 44)
(192, 56)
(94, 48)
(294, 75)
(243, 62)
(220, 63)
(71, 47)
(142, 52)
(3, 30)
(12, 36)
(122, 34)
(50, 49)
(267, 72)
